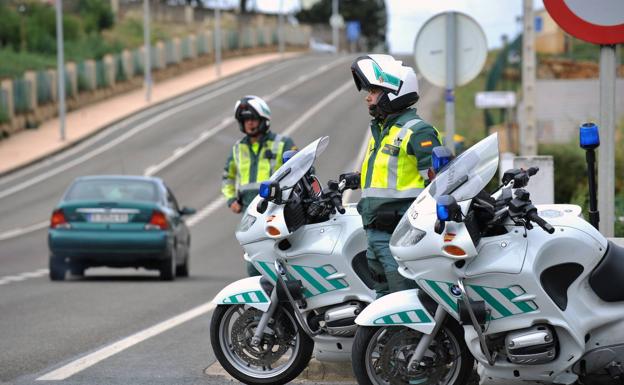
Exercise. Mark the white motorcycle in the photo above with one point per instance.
(314, 283)
(529, 304)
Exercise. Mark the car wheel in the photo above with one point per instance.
(183, 269)
(168, 268)
(58, 268)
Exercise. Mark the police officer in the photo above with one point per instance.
(254, 157)
(394, 170)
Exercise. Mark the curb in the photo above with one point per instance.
(316, 371)
(154, 105)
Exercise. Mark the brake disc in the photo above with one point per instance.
(397, 352)
(276, 339)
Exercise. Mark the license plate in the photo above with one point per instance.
(108, 218)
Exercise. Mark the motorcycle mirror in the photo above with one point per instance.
(448, 209)
(439, 226)
(440, 157)
(262, 206)
(269, 190)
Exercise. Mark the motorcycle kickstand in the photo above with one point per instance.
(264, 320)
(426, 340)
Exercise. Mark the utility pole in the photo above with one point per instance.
(60, 63)
(528, 129)
(280, 28)
(451, 62)
(606, 154)
(334, 26)
(147, 68)
(217, 38)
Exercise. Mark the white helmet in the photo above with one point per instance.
(398, 83)
(253, 107)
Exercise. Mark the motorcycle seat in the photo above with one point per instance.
(607, 279)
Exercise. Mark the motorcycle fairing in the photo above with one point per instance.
(246, 291)
(402, 308)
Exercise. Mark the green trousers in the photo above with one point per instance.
(383, 265)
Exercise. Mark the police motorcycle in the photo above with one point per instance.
(311, 252)
(536, 303)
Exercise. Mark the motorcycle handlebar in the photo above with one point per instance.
(337, 202)
(534, 217)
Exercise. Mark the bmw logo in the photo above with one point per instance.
(456, 291)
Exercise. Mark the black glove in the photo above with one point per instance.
(352, 180)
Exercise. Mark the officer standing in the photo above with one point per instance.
(253, 158)
(394, 170)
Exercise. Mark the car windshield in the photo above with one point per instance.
(112, 190)
(296, 167)
(469, 173)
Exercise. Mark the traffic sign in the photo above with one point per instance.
(597, 21)
(336, 21)
(430, 52)
(353, 30)
(495, 99)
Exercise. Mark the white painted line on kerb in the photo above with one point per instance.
(91, 359)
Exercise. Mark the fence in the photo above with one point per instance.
(25, 94)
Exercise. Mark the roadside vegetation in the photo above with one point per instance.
(28, 34)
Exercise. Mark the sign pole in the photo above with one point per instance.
(334, 25)
(528, 130)
(147, 65)
(606, 154)
(451, 47)
(217, 39)
(60, 62)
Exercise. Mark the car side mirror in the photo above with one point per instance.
(187, 211)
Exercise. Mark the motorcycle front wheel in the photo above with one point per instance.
(381, 355)
(283, 353)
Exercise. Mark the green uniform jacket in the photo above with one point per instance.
(249, 164)
(394, 168)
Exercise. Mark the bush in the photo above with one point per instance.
(96, 14)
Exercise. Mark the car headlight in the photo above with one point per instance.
(405, 234)
(246, 223)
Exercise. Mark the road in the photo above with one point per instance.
(125, 326)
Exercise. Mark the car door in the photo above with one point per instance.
(178, 226)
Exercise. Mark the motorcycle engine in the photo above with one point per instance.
(531, 346)
(340, 320)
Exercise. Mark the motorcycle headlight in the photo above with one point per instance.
(405, 234)
(246, 223)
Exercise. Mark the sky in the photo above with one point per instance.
(405, 17)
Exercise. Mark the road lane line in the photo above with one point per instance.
(176, 100)
(23, 230)
(128, 134)
(91, 359)
(204, 136)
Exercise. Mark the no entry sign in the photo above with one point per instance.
(595, 21)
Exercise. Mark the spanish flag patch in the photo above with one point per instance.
(426, 143)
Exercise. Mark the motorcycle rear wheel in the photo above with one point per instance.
(283, 354)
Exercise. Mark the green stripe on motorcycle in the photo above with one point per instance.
(336, 283)
(487, 297)
(247, 298)
(522, 305)
(268, 270)
(422, 315)
(445, 297)
(309, 279)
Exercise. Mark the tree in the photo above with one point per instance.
(370, 13)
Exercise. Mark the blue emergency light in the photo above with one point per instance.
(265, 189)
(287, 155)
(440, 157)
(589, 136)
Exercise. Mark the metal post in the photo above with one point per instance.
(451, 50)
(60, 62)
(528, 129)
(606, 154)
(594, 217)
(147, 68)
(334, 26)
(280, 28)
(217, 39)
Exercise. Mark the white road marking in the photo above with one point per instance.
(23, 230)
(91, 359)
(23, 276)
(128, 134)
(355, 166)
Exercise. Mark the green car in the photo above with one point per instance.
(119, 221)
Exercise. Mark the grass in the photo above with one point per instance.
(13, 64)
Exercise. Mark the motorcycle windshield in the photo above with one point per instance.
(469, 173)
(296, 167)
